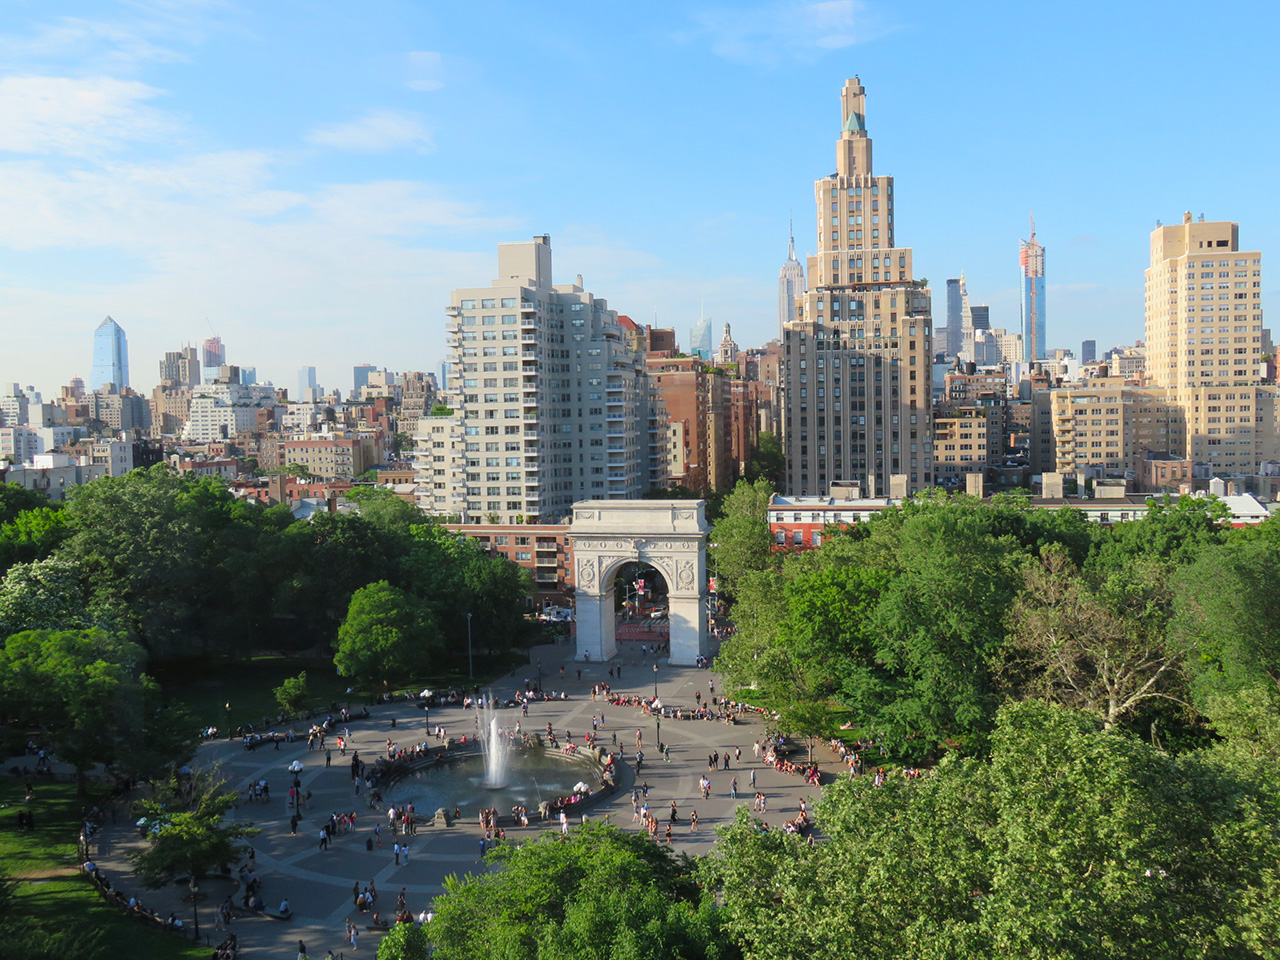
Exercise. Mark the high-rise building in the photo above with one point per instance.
(1205, 342)
(360, 377)
(307, 382)
(700, 338)
(858, 373)
(981, 317)
(213, 356)
(181, 368)
(790, 285)
(1088, 351)
(110, 356)
(1031, 256)
(955, 325)
(552, 399)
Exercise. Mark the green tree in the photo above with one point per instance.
(188, 833)
(405, 941)
(441, 410)
(600, 893)
(293, 694)
(15, 498)
(83, 687)
(43, 595)
(1099, 646)
(388, 633)
(32, 535)
(740, 541)
(767, 461)
(1172, 530)
(1227, 613)
(1067, 841)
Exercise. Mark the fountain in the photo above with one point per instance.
(494, 744)
(506, 774)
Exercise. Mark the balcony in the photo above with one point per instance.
(528, 306)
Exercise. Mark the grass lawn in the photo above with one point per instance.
(51, 894)
(206, 686)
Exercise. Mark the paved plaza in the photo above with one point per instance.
(318, 883)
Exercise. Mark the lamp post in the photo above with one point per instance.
(658, 715)
(227, 707)
(471, 666)
(195, 913)
(539, 675)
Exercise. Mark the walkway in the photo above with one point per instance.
(319, 883)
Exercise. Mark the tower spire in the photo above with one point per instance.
(791, 243)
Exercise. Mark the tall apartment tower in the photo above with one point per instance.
(110, 356)
(790, 285)
(213, 354)
(955, 328)
(181, 368)
(553, 404)
(1206, 341)
(1031, 257)
(1088, 351)
(857, 379)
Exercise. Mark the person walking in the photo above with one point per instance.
(324, 839)
(733, 789)
(302, 950)
(396, 847)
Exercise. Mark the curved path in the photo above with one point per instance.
(318, 883)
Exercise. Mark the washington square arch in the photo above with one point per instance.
(668, 535)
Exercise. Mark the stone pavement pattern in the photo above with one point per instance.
(318, 883)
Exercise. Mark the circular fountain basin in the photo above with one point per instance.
(532, 777)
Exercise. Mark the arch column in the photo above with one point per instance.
(671, 536)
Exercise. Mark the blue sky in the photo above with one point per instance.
(310, 179)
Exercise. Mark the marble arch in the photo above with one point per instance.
(671, 535)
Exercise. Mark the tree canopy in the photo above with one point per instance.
(599, 893)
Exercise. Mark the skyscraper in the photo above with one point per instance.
(1031, 256)
(1183, 319)
(858, 363)
(552, 400)
(360, 378)
(955, 327)
(1088, 351)
(306, 382)
(212, 356)
(790, 285)
(700, 338)
(110, 356)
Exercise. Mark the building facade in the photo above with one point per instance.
(790, 286)
(857, 380)
(1031, 258)
(1205, 342)
(110, 356)
(554, 402)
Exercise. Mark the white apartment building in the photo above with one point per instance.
(553, 402)
(221, 410)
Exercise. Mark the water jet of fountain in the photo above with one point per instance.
(494, 745)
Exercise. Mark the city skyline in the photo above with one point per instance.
(298, 215)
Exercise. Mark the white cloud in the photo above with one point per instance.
(426, 70)
(76, 117)
(770, 33)
(376, 131)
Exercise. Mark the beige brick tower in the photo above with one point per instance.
(1206, 342)
(856, 377)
